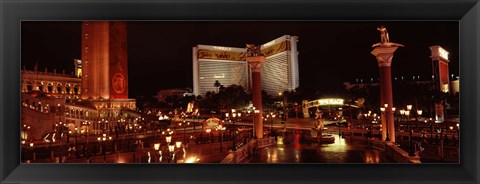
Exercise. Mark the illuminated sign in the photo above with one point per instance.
(269, 44)
(439, 52)
(222, 48)
(211, 123)
(442, 53)
(330, 101)
(220, 55)
(272, 48)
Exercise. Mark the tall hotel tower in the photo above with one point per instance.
(228, 66)
(280, 71)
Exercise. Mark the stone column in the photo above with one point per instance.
(384, 55)
(255, 63)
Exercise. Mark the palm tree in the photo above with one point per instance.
(217, 85)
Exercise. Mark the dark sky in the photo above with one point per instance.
(330, 52)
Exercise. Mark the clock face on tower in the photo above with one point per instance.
(118, 83)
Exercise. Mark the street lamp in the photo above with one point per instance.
(156, 147)
(234, 148)
(101, 141)
(177, 145)
(407, 114)
(25, 129)
(76, 131)
(168, 139)
(382, 109)
(208, 130)
(86, 123)
(419, 114)
(255, 111)
(338, 123)
(458, 131)
(68, 137)
(221, 129)
(271, 122)
(171, 148)
(394, 116)
(367, 118)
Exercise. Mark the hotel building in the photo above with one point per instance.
(228, 66)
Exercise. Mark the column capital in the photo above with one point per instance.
(255, 62)
(384, 55)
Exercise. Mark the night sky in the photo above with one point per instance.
(160, 53)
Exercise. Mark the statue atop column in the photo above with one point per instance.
(383, 34)
(385, 39)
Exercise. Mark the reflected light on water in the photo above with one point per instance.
(371, 157)
(297, 142)
(340, 145)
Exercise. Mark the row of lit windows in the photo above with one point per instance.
(227, 73)
(276, 74)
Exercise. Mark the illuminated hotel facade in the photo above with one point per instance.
(228, 66)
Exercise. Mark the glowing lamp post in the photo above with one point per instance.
(171, 148)
(419, 114)
(410, 137)
(255, 111)
(168, 138)
(76, 132)
(208, 131)
(234, 115)
(221, 129)
(383, 109)
(156, 146)
(177, 145)
(458, 131)
(102, 140)
(25, 129)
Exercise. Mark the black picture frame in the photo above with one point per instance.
(467, 12)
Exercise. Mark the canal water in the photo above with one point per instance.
(292, 149)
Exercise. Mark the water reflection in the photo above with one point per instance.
(293, 150)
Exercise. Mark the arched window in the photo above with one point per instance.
(75, 89)
(50, 88)
(29, 86)
(67, 89)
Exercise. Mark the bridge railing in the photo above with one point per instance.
(247, 150)
(392, 150)
(377, 144)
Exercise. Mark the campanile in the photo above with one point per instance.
(104, 57)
